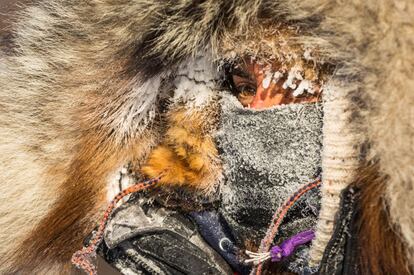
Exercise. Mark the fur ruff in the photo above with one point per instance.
(380, 248)
(79, 100)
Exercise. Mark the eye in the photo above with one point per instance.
(261, 86)
(243, 84)
(245, 93)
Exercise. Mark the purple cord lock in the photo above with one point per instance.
(287, 247)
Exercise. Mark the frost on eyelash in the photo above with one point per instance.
(267, 79)
(271, 76)
(304, 85)
(294, 74)
(276, 76)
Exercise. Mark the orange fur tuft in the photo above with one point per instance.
(187, 156)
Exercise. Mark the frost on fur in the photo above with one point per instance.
(78, 99)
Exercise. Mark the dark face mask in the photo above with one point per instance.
(266, 156)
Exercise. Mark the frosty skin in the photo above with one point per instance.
(260, 86)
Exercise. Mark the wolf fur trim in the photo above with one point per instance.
(79, 65)
(381, 250)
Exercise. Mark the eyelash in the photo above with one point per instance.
(240, 88)
(245, 88)
(228, 82)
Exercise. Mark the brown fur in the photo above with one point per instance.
(70, 90)
(381, 250)
(75, 214)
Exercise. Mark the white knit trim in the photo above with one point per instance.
(339, 163)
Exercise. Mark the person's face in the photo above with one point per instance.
(268, 152)
(260, 86)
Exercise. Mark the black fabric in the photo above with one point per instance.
(217, 234)
(340, 254)
(157, 241)
(171, 249)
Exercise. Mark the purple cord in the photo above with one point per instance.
(278, 252)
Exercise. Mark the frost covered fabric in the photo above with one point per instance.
(267, 155)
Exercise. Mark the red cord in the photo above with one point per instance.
(279, 215)
(84, 258)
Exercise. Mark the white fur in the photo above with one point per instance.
(195, 82)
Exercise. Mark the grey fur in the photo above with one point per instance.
(69, 51)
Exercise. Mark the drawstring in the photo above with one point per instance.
(83, 258)
(278, 252)
(288, 246)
